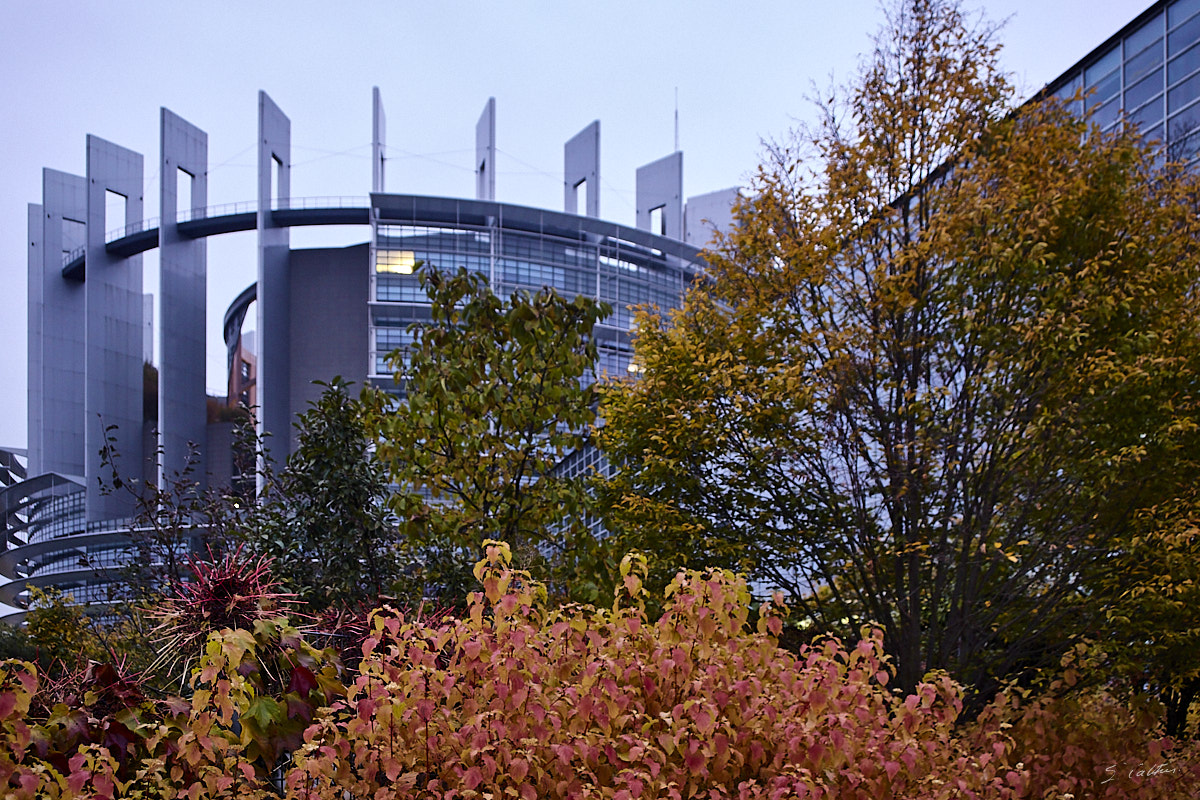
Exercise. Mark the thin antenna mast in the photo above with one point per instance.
(676, 119)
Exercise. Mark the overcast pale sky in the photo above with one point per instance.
(741, 69)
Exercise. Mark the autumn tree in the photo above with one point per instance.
(1149, 589)
(495, 395)
(943, 359)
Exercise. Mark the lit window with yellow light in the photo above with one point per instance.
(398, 262)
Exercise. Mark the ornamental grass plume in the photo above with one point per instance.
(232, 591)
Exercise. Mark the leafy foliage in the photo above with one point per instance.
(932, 382)
(1150, 590)
(60, 638)
(323, 520)
(495, 394)
(519, 699)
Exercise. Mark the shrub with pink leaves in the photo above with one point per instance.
(518, 699)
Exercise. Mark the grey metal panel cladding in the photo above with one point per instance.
(660, 183)
(328, 307)
(182, 293)
(113, 338)
(274, 143)
(378, 141)
(56, 382)
(485, 152)
(581, 162)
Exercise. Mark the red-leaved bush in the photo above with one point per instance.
(518, 699)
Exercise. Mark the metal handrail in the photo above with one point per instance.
(225, 210)
(221, 210)
(130, 229)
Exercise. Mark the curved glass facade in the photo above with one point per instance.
(575, 255)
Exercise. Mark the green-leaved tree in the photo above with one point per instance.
(496, 394)
(324, 518)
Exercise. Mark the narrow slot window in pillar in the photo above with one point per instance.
(658, 221)
(184, 184)
(276, 175)
(114, 215)
(581, 197)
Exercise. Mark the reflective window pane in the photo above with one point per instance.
(1143, 64)
(1102, 66)
(1140, 39)
(1181, 10)
(1184, 64)
(1180, 38)
(1140, 93)
(1183, 94)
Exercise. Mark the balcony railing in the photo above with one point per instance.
(225, 210)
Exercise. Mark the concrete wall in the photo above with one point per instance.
(378, 141)
(274, 157)
(113, 339)
(581, 162)
(182, 298)
(660, 185)
(35, 268)
(56, 329)
(328, 320)
(485, 152)
(707, 213)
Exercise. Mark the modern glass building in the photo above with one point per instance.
(321, 313)
(1146, 74)
(519, 248)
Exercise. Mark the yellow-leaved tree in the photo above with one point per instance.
(942, 368)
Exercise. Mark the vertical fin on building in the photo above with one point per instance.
(378, 141)
(113, 366)
(581, 165)
(274, 190)
(660, 192)
(485, 152)
(183, 286)
(57, 328)
(707, 214)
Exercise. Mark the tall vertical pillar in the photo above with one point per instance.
(35, 365)
(113, 338)
(56, 328)
(378, 140)
(485, 153)
(660, 186)
(182, 412)
(274, 167)
(581, 164)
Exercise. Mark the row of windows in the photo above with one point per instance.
(56, 517)
(614, 286)
(420, 242)
(620, 273)
(612, 359)
(451, 240)
(386, 341)
(1152, 75)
